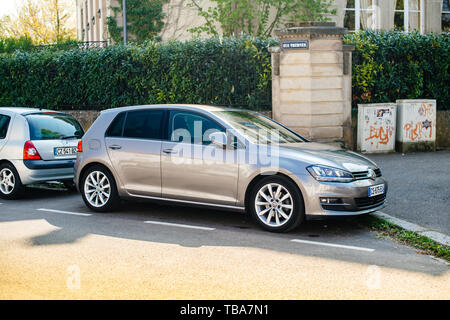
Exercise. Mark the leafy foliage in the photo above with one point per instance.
(222, 72)
(257, 18)
(391, 65)
(144, 20)
(26, 44)
(9, 45)
(44, 21)
(237, 72)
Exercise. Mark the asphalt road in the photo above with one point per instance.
(150, 251)
(419, 187)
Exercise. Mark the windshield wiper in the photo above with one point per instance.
(69, 137)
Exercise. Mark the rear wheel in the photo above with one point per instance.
(276, 204)
(10, 185)
(99, 189)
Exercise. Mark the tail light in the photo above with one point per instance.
(30, 152)
(80, 146)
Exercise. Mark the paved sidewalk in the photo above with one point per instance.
(419, 188)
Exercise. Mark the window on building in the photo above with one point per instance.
(99, 13)
(446, 16)
(408, 15)
(88, 26)
(359, 14)
(93, 20)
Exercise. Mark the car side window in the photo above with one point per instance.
(144, 124)
(4, 124)
(116, 127)
(190, 127)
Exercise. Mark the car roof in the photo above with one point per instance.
(20, 110)
(192, 107)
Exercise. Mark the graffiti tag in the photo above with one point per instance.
(426, 109)
(419, 130)
(379, 134)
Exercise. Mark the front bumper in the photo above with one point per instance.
(353, 197)
(43, 172)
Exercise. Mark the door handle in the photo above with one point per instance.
(168, 151)
(115, 147)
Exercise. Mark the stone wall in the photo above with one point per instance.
(443, 129)
(85, 117)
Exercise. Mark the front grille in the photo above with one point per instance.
(361, 175)
(336, 207)
(370, 202)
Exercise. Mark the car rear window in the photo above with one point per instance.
(4, 123)
(52, 126)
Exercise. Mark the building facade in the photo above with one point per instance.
(406, 15)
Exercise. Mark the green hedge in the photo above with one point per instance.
(222, 72)
(393, 65)
(386, 66)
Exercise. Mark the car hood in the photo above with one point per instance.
(328, 155)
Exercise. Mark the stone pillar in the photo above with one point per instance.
(311, 90)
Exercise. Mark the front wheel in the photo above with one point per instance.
(276, 204)
(99, 189)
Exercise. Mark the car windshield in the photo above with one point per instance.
(258, 128)
(52, 126)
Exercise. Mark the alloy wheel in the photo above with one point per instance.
(97, 189)
(274, 205)
(7, 181)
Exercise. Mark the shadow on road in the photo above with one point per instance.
(236, 230)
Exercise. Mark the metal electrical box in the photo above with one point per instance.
(416, 125)
(376, 127)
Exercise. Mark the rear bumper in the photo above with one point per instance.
(54, 164)
(43, 171)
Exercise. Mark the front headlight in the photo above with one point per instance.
(329, 174)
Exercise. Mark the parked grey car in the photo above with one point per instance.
(36, 146)
(222, 158)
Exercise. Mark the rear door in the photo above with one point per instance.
(55, 135)
(133, 141)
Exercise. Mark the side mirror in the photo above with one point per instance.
(219, 139)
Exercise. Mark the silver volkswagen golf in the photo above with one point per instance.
(222, 158)
(36, 146)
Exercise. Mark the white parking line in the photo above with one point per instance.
(180, 225)
(65, 212)
(333, 245)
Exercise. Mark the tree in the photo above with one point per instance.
(144, 20)
(44, 21)
(257, 18)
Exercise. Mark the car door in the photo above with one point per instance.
(133, 141)
(192, 168)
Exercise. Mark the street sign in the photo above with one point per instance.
(299, 44)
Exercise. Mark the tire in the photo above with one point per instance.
(276, 204)
(11, 186)
(99, 190)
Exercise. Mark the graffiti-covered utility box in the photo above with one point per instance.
(416, 125)
(376, 127)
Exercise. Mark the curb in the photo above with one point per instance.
(433, 235)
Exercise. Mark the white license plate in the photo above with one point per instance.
(376, 190)
(65, 151)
